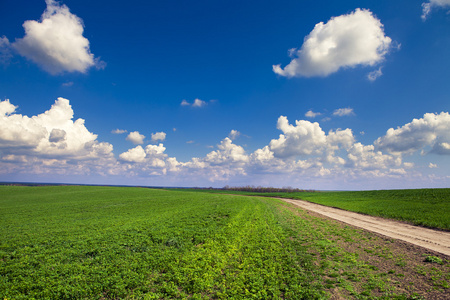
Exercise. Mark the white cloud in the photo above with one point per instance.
(341, 112)
(135, 137)
(303, 139)
(136, 154)
(365, 157)
(158, 136)
(151, 161)
(344, 41)
(6, 108)
(372, 76)
(50, 134)
(197, 103)
(311, 114)
(118, 131)
(304, 154)
(427, 6)
(433, 130)
(56, 42)
(227, 153)
(234, 134)
(432, 166)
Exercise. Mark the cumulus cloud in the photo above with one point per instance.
(149, 161)
(56, 42)
(311, 114)
(134, 155)
(304, 138)
(433, 130)
(348, 40)
(365, 157)
(158, 136)
(234, 134)
(428, 6)
(341, 112)
(52, 142)
(334, 155)
(227, 161)
(118, 131)
(135, 137)
(50, 134)
(227, 152)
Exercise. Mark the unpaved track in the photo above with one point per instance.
(435, 240)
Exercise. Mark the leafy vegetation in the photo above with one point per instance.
(424, 207)
(71, 242)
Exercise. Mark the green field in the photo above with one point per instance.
(424, 207)
(78, 242)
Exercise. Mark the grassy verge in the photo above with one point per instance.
(424, 207)
(132, 243)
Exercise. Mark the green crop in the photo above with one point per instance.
(424, 207)
(82, 242)
(106, 242)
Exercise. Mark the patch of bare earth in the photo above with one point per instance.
(359, 263)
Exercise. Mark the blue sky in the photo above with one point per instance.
(314, 95)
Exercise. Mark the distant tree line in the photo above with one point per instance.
(261, 189)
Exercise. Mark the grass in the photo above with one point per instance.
(423, 207)
(70, 242)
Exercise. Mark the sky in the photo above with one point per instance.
(326, 95)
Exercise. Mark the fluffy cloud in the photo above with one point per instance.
(198, 103)
(56, 42)
(305, 138)
(311, 114)
(50, 142)
(234, 134)
(227, 153)
(135, 137)
(433, 130)
(158, 136)
(428, 6)
(365, 157)
(118, 131)
(229, 160)
(53, 143)
(344, 41)
(134, 155)
(340, 112)
(149, 161)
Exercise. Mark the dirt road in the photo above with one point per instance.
(435, 240)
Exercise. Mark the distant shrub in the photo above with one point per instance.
(261, 189)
